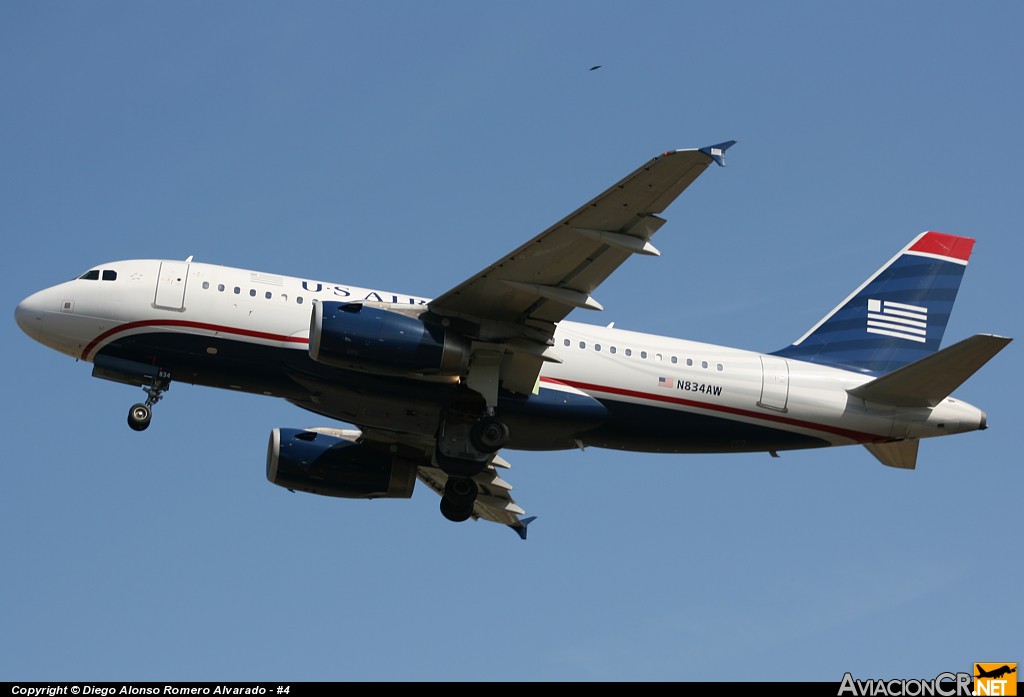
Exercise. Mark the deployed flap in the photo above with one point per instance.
(929, 380)
(901, 453)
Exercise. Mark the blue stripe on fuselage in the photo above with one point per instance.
(551, 419)
(649, 428)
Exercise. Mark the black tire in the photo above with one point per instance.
(489, 435)
(456, 514)
(139, 417)
(460, 492)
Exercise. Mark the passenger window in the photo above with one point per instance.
(674, 359)
(657, 356)
(93, 275)
(643, 354)
(720, 367)
(597, 347)
(220, 287)
(629, 352)
(284, 297)
(583, 344)
(298, 300)
(689, 361)
(237, 290)
(269, 295)
(252, 292)
(109, 275)
(206, 285)
(611, 349)
(566, 342)
(703, 364)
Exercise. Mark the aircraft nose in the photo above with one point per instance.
(29, 314)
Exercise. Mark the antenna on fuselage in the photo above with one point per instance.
(189, 260)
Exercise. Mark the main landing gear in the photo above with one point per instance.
(465, 448)
(141, 414)
(489, 434)
(459, 496)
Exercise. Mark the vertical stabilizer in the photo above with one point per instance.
(895, 317)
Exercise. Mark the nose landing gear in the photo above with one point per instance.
(140, 415)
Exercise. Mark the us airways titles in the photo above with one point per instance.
(361, 294)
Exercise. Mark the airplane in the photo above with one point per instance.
(995, 673)
(438, 387)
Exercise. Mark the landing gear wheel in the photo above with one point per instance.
(489, 435)
(139, 417)
(460, 492)
(454, 513)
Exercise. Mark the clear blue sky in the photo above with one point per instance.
(405, 146)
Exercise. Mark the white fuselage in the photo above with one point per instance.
(628, 369)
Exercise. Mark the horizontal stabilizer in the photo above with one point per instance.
(901, 453)
(929, 380)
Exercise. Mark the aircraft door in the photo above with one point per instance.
(170, 285)
(774, 383)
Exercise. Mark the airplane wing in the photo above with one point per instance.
(513, 304)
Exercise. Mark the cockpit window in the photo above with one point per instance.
(93, 275)
(109, 275)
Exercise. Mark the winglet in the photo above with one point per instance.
(717, 152)
(521, 528)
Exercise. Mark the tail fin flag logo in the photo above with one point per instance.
(995, 679)
(898, 320)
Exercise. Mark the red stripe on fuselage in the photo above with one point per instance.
(189, 325)
(943, 245)
(857, 436)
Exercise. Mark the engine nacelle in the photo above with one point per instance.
(321, 464)
(370, 339)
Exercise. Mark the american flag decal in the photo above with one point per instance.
(665, 382)
(898, 319)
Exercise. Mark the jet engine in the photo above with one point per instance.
(318, 463)
(374, 340)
